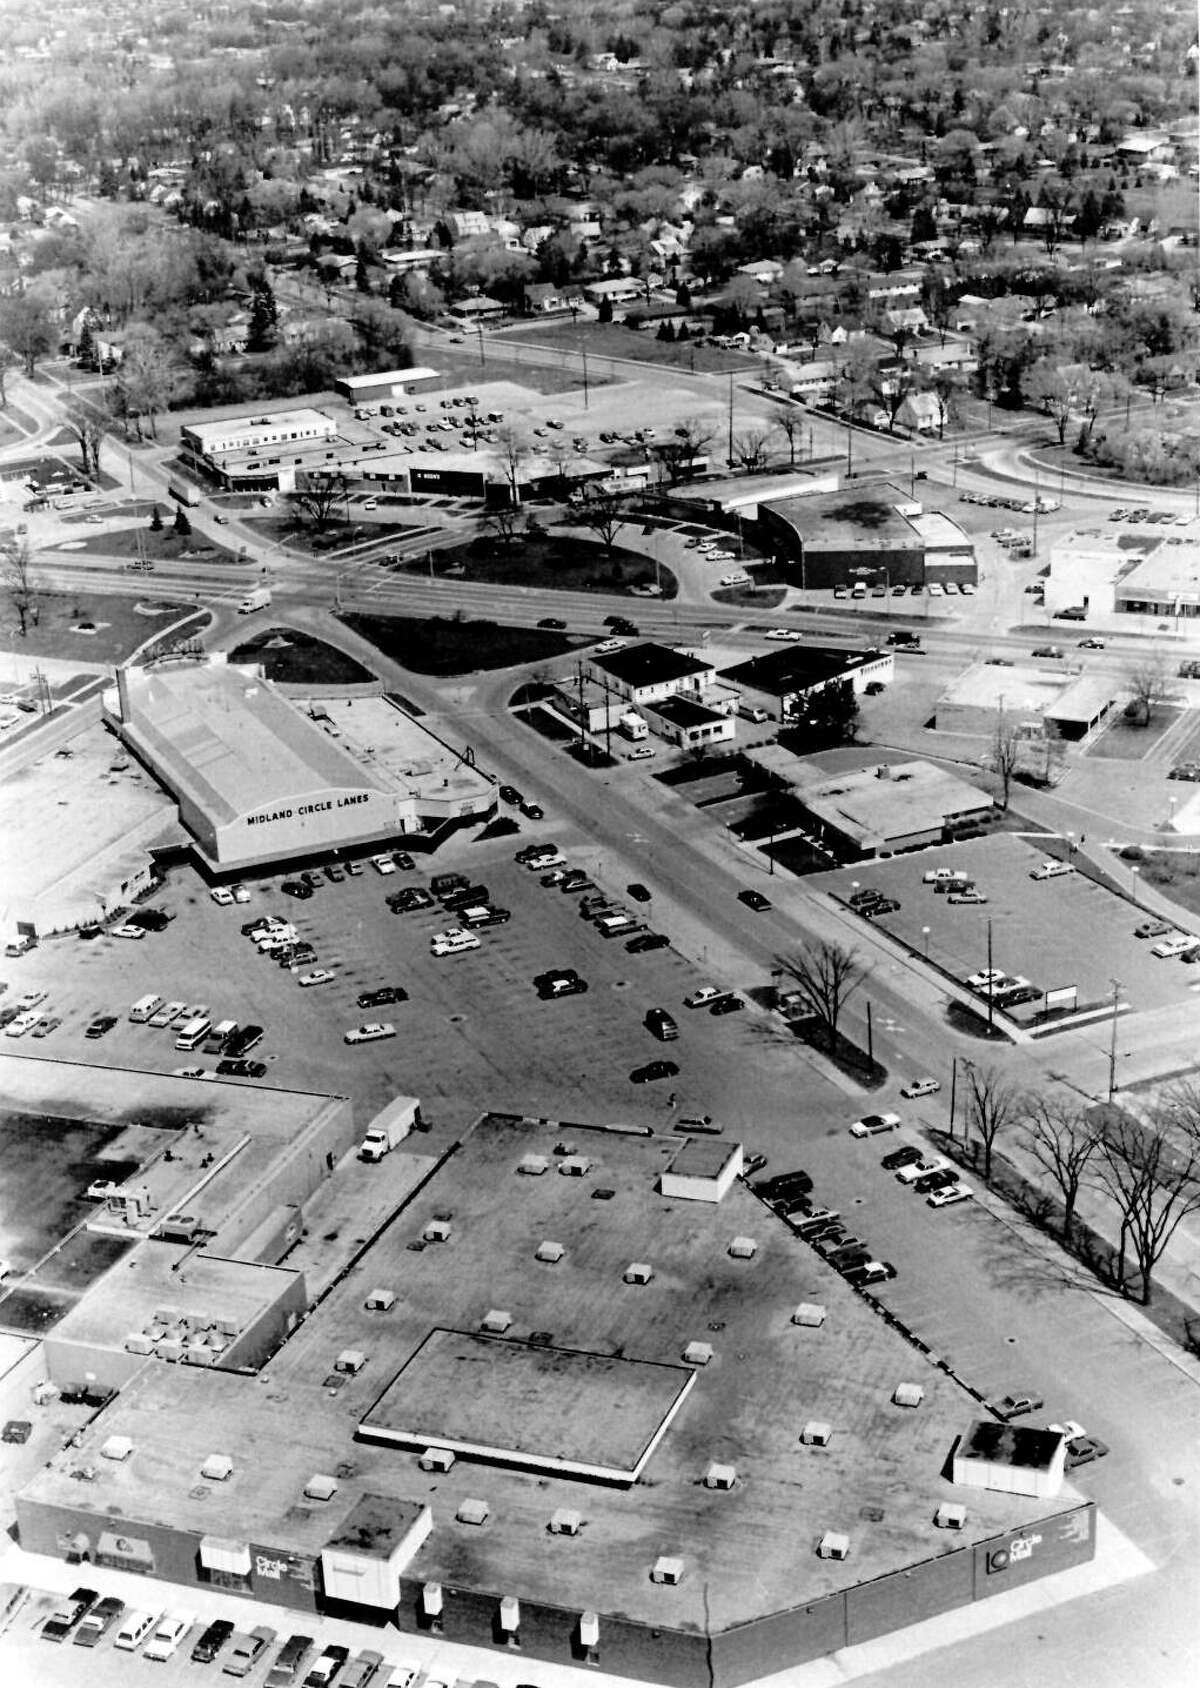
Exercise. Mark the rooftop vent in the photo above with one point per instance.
(638, 1272)
(908, 1395)
(950, 1516)
(437, 1231)
(533, 1166)
(380, 1301)
(351, 1360)
(565, 1522)
(217, 1468)
(138, 1343)
(589, 1629)
(198, 1354)
(320, 1487)
(436, 1459)
(510, 1614)
(720, 1476)
(549, 1253)
(496, 1321)
(473, 1511)
(431, 1599)
(698, 1353)
(809, 1313)
(816, 1433)
(574, 1166)
(833, 1545)
(667, 1570)
(743, 1248)
(117, 1447)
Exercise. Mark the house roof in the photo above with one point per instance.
(650, 665)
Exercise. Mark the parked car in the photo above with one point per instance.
(874, 1272)
(237, 1068)
(247, 1650)
(1017, 1405)
(705, 995)
(1051, 870)
(921, 1169)
(648, 941)
(871, 1125)
(1082, 1450)
(639, 893)
(97, 1623)
(654, 1070)
(920, 1087)
(909, 1155)
(382, 996)
(212, 1639)
(754, 900)
(1152, 929)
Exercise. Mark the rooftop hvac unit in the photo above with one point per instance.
(698, 1353)
(350, 1360)
(496, 1321)
(667, 1570)
(473, 1511)
(564, 1521)
(217, 1342)
(320, 1487)
(155, 1333)
(574, 1166)
(199, 1354)
(816, 1433)
(589, 1629)
(436, 1459)
(638, 1272)
(227, 1327)
(549, 1253)
(117, 1447)
(170, 1349)
(165, 1316)
(137, 1342)
(743, 1248)
(809, 1313)
(380, 1301)
(720, 1476)
(510, 1614)
(833, 1545)
(431, 1599)
(437, 1231)
(533, 1165)
(217, 1468)
(908, 1395)
(950, 1516)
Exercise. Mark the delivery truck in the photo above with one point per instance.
(259, 599)
(391, 1126)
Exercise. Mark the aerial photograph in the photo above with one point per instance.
(600, 844)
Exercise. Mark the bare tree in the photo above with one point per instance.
(993, 1104)
(790, 422)
(21, 585)
(8, 360)
(318, 496)
(690, 440)
(512, 450)
(1004, 753)
(1064, 1142)
(1152, 1172)
(88, 422)
(605, 513)
(501, 522)
(827, 975)
(150, 375)
(1147, 682)
(751, 449)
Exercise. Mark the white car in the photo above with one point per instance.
(169, 1632)
(1176, 944)
(167, 1014)
(136, 933)
(22, 1024)
(921, 1169)
(453, 943)
(1068, 1429)
(1051, 870)
(383, 864)
(241, 893)
(546, 864)
(369, 1033)
(987, 980)
(319, 976)
(705, 995)
(921, 1087)
(643, 753)
(608, 646)
(950, 1195)
(873, 1125)
(190, 1072)
(784, 635)
(221, 895)
(720, 557)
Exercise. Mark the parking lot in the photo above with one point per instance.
(473, 1031)
(1055, 932)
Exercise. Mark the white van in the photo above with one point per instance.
(1175, 945)
(193, 1032)
(134, 1630)
(752, 712)
(144, 1007)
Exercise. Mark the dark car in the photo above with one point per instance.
(236, 1068)
(533, 811)
(403, 860)
(406, 902)
(101, 1026)
(784, 1184)
(754, 900)
(385, 994)
(560, 981)
(296, 888)
(885, 905)
(935, 1181)
(639, 893)
(647, 941)
(99, 1621)
(553, 622)
(212, 1640)
(244, 1040)
(1082, 1450)
(753, 1164)
(16, 1430)
(311, 877)
(67, 1614)
(622, 624)
(1017, 995)
(150, 919)
(727, 1005)
(653, 1070)
(334, 873)
(465, 896)
(510, 794)
(908, 1156)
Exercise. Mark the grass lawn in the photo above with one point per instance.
(614, 340)
(164, 546)
(1173, 872)
(1125, 741)
(445, 646)
(120, 625)
(300, 660)
(566, 565)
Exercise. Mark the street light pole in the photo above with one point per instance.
(991, 992)
(1112, 1046)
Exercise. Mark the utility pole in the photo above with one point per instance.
(583, 355)
(991, 991)
(729, 448)
(1112, 1046)
(870, 1035)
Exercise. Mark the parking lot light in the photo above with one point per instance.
(1133, 879)
(925, 936)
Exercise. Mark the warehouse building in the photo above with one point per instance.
(619, 1485)
(1096, 574)
(648, 673)
(1035, 702)
(258, 780)
(386, 384)
(871, 532)
(784, 680)
(877, 810)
